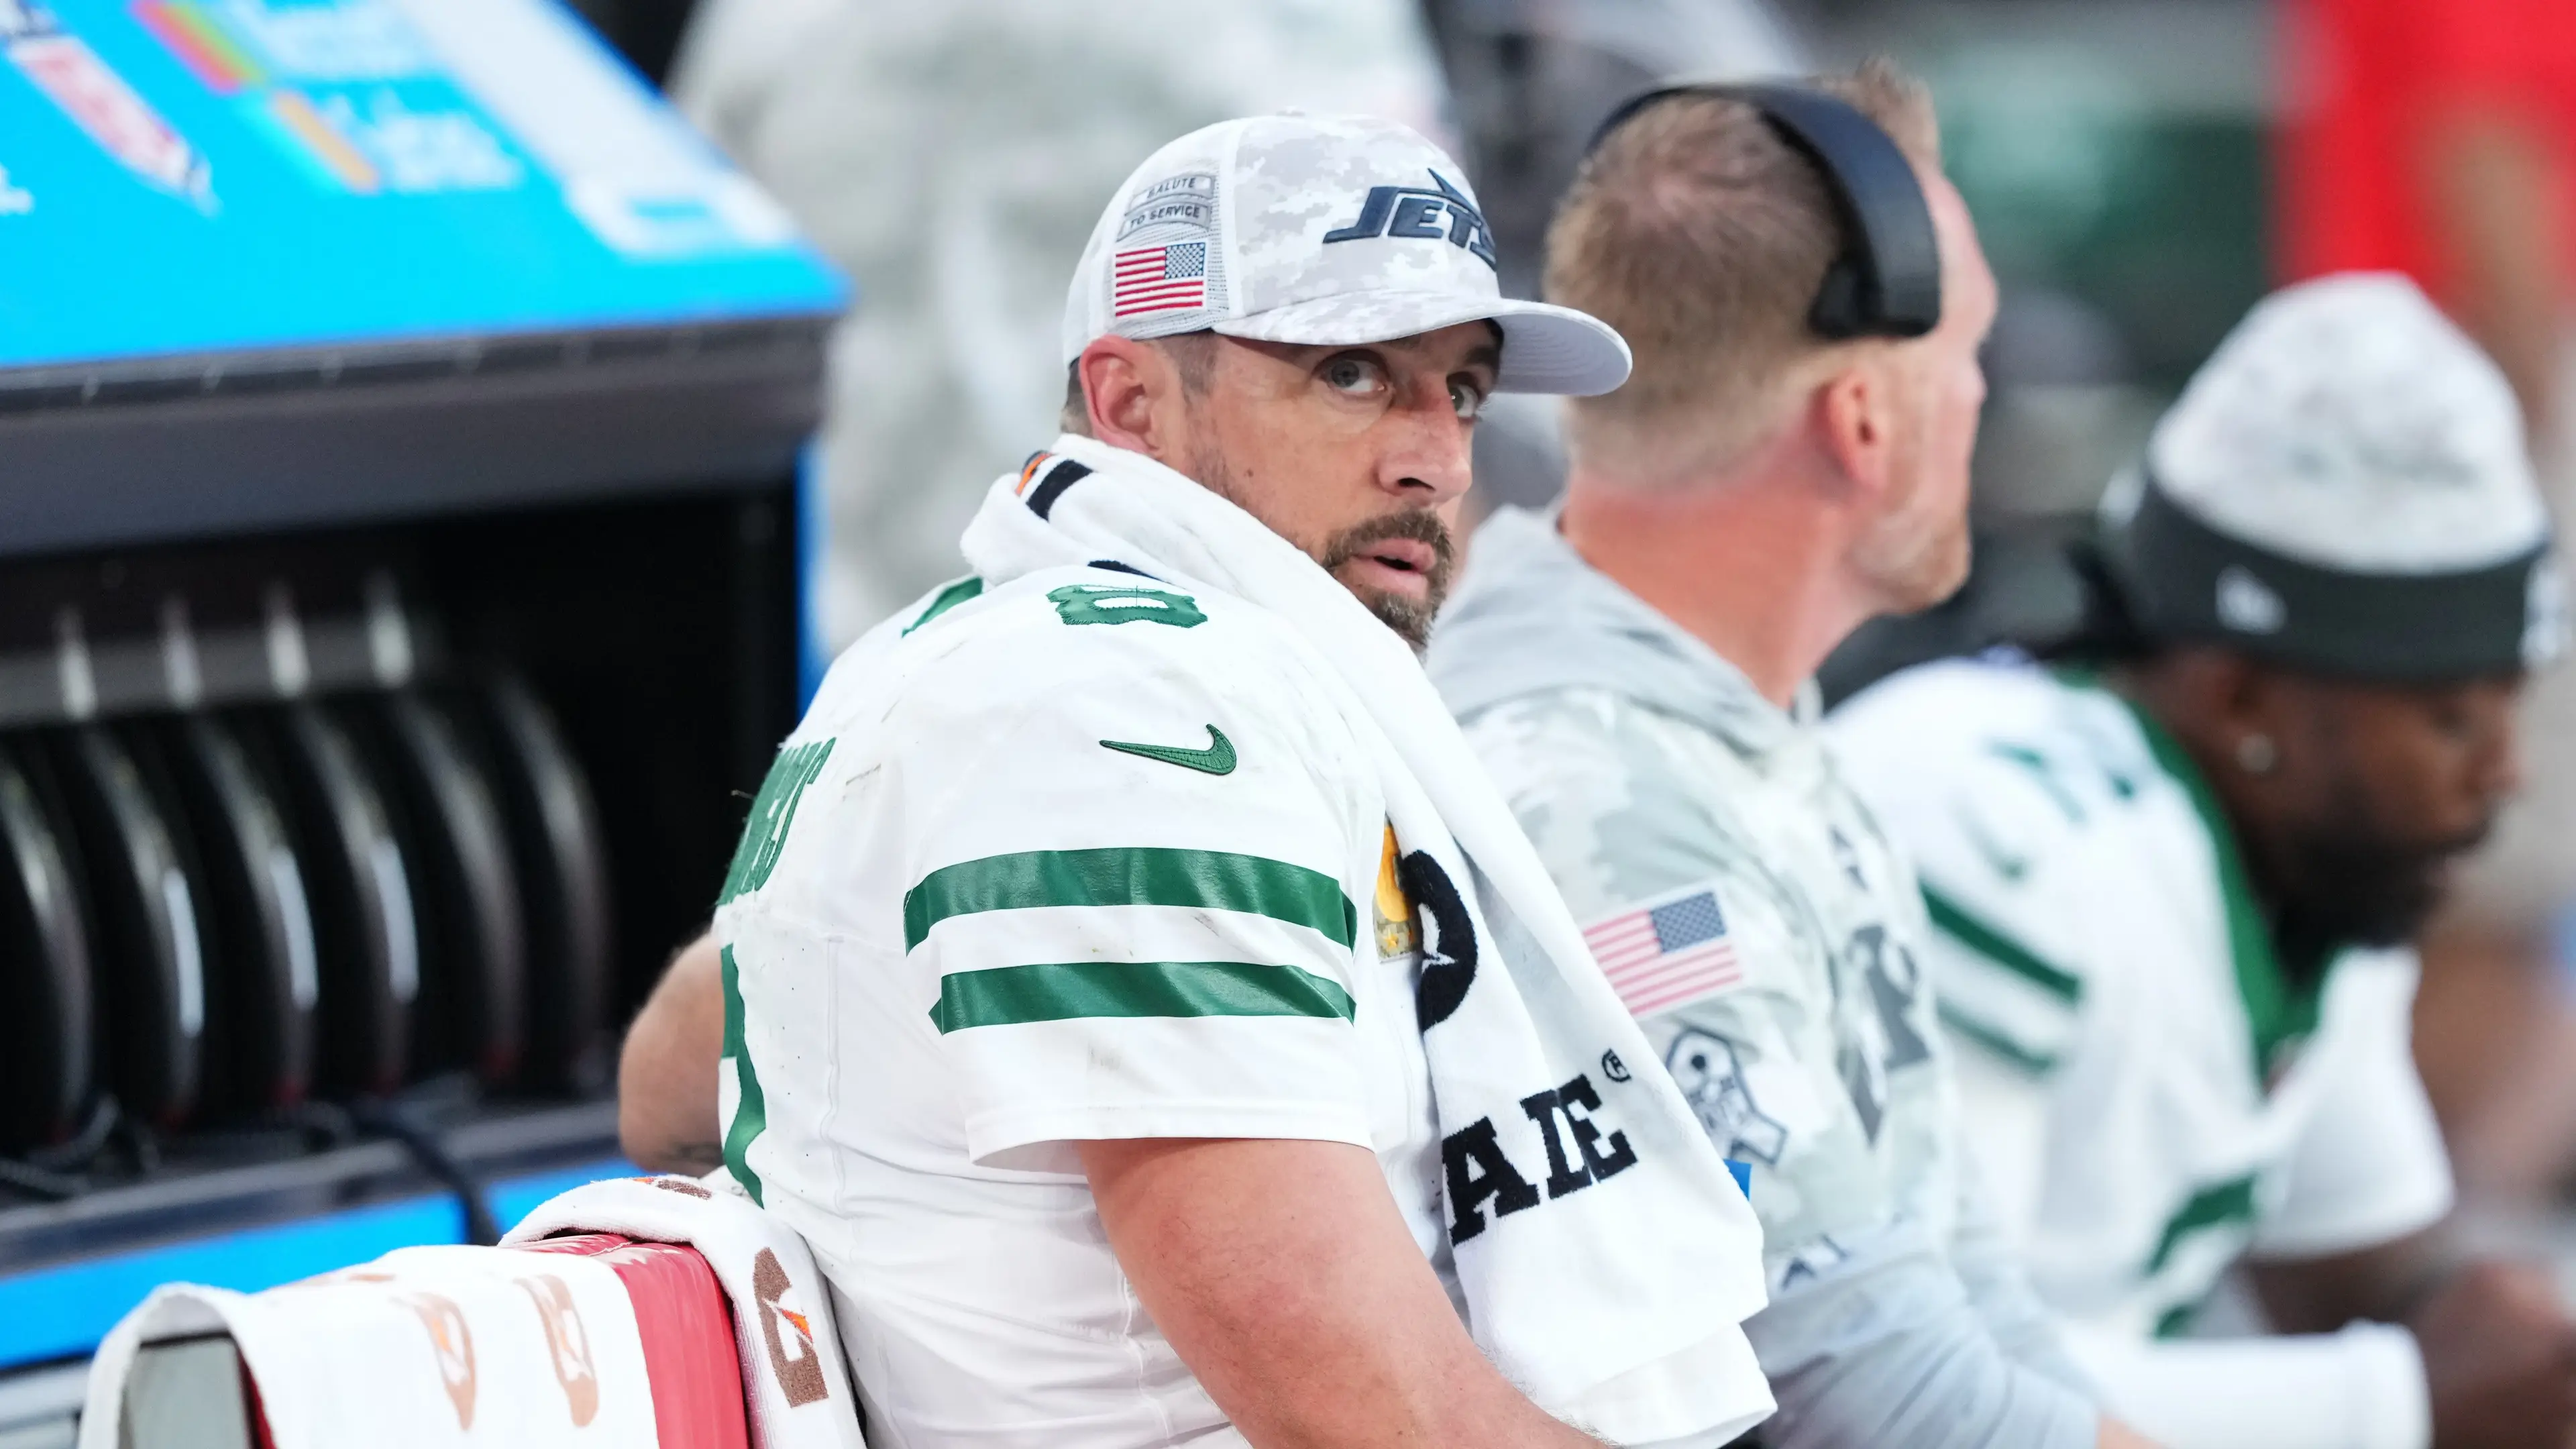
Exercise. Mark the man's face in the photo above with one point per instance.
(2378, 790)
(1916, 554)
(1357, 455)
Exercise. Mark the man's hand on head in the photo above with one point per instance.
(666, 1073)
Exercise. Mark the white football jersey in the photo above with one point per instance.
(2150, 1093)
(1077, 858)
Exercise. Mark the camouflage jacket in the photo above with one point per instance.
(1676, 806)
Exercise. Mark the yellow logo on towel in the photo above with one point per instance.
(1399, 929)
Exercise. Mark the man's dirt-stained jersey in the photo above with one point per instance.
(1070, 859)
(1770, 939)
(2151, 1094)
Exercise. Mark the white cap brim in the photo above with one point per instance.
(1545, 349)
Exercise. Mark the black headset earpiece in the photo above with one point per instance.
(1887, 281)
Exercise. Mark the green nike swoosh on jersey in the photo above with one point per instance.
(1216, 759)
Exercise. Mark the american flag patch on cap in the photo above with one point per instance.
(1158, 279)
(1662, 955)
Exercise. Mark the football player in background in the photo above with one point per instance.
(2175, 890)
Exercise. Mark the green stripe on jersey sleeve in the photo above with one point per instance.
(950, 596)
(1008, 995)
(1215, 880)
(1996, 1042)
(2220, 1205)
(1960, 925)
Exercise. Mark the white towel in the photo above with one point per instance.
(1606, 1256)
(794, 1382)
(425, 1348)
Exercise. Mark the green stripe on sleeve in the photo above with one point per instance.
(950, 596)
(1955, 922)
(1005, 995)
(2217, 1206)
(1995, 1043)
(1214, 880)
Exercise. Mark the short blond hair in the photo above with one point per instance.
(1703, 237)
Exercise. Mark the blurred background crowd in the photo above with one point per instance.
(2141, 171)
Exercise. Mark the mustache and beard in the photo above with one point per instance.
(2348, 885)
(1409, 618)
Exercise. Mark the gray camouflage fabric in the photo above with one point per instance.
(1642, 764)
(1327, 230)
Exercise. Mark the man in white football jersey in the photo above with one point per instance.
(1633, 670)
(2174, 890)
(1129, 979)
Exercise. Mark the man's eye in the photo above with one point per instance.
(1353, 375)
(2453, 721)
(1467, 399)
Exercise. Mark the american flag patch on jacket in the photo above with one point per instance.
(1662, 955)
(1158, 279)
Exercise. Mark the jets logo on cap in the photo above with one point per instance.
(1415, 213)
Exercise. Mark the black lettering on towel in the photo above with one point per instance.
(1466, 1151)
(1480, 1171)
(1449, 955)
(1597, 1163)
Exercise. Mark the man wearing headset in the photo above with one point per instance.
(1805, 296)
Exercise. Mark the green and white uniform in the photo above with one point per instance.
(1103, 844)
(999, 804)
(2151, 1096)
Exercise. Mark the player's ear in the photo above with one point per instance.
(1853, 413)
(1132, 393)
(2213, 690)
(2256, 698)
(2252, 711)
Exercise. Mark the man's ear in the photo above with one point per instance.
(2242, 695)
(1133, 394)
(2225, 699)
(1854, 414)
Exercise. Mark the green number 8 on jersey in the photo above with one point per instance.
(1112, 604)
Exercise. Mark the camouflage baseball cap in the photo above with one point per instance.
(1330, 230)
